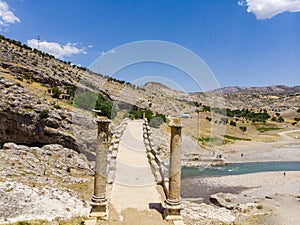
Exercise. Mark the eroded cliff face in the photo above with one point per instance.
(28, 120)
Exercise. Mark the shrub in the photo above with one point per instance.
(243, 129)
(23, 223)
(57, 106)
(274, 119)
(208, 119)
(106, 107)
(18, 84)
(156, 122)
(280, 119)
(44, 114)
(34, 63)
(56, 92)
(232, 123)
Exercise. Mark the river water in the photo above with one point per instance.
(193, 186)
(241, 168)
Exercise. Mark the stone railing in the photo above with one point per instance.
(113, 150)
(159, 169)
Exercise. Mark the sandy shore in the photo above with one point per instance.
(278, 195)
(260, 184)
(261, 152)
(287, 149)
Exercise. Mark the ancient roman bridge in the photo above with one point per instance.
(129, 172)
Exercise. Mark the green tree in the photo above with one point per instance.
(44, 114)
(280, 119)
(232, 123)
(55, 92)
(243, 129)
(106, 107)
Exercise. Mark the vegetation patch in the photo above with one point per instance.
(236, 138)
(44, 114)
(213, 140)
(265, 128)
(155, 120)
(60, 221)
(89, 100)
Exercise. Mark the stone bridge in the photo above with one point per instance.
(129, 173)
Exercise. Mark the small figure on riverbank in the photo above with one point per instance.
(242, 154)
(284, 174)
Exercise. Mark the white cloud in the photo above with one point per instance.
(108, 52)
(6, 15)
(56, 49)
(266, 9)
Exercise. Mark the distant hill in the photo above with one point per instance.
(274, 89)
(21, 62)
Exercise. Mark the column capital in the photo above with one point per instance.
(175, 122)
(102, 120)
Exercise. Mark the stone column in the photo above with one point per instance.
(173, 202)
(144, 114)
(99, 200)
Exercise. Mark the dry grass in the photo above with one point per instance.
(58, 221)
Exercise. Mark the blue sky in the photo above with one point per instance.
(245, 43)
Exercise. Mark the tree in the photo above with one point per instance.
(232, 123)
(106, 107)
(243, 129)
(55, 92)
(280, 119)
(44, 114)
(208, 119)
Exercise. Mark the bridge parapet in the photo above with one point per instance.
(113, 150)
(158, 167)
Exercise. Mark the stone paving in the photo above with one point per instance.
(134, 185)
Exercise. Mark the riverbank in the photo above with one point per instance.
(270, 190)
(241, 152)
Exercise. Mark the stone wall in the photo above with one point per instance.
(158, 166)
(113, 150)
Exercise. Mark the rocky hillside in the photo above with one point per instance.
(48, 178)
(271, 97)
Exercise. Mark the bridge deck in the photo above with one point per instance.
(134, 185)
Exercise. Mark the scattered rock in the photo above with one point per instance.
(34, 181)
(223, 200)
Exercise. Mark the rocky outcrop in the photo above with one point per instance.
(47, 165)
(235, 202)
(27, 120)
(36, 183)
(197, 214)
(34, 75)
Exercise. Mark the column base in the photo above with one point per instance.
(99, 208)
(172, 210)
